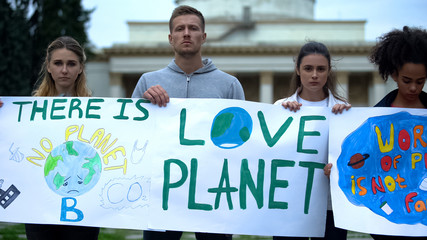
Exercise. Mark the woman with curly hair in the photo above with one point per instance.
(402, 55)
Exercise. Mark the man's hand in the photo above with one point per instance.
(157, 95)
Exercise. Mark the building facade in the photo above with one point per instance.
(254, 40)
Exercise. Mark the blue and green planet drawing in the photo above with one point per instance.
(231, 128)
(72, 168)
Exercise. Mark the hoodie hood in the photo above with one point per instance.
(208, 66)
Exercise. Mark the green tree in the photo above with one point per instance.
(15, 62)
(54, 18)
(25, 37)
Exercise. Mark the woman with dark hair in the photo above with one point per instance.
(314, 81)
(402, 55)
(314, 84)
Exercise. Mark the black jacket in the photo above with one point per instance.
(389, 98)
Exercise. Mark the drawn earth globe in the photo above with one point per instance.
(72, 168)
(231, 128)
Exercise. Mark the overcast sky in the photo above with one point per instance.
(108, 21)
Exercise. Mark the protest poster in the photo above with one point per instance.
(250, 185)
(206, 165)
(379, 174)
(69, 162)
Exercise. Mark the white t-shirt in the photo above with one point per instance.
(322, 103)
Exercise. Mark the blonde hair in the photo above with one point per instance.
(47, 84)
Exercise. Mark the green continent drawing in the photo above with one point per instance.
(222, 123)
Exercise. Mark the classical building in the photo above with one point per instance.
(254, 40)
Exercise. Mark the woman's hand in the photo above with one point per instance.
(292, 106)
(339, 108)
(327, 169)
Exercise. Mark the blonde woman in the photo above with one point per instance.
(62, 74)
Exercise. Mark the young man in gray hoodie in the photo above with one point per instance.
(187, 76)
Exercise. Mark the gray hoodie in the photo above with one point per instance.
(206, 82)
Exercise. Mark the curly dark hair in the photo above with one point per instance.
(398, 47)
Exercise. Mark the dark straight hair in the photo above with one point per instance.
(309, 48)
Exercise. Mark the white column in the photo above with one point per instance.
(266, 87)
(343, 82)
(377, 90)
(98, 78)
(116, 86)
